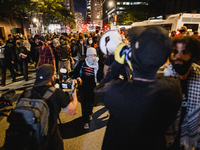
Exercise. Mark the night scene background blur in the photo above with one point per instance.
(53, 16)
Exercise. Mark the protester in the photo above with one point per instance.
(90, 42)
(6, 61)
(86, 74)
(141, 110)
(186, 128)
(124, 72)
(102, 58)
(44, 80)
(182, 31)
(46, 55)
(26, 43)
(75, 52)
(34, 50)
(22, 55)
(54, 44)
(82, 47)
(10, 43)
(64, 54)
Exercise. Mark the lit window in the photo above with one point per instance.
(127, 3)
(124, 3)
(121, 8)
(139, 3)
(118, 3)
(119, 12)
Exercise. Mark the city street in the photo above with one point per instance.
(75, 137)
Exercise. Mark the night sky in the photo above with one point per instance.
(80, 6)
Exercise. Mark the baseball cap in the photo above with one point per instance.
(151, 46)
(44, 74)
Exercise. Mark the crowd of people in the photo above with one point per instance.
(59, 50)
(154, 106)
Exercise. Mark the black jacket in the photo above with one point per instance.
(140, 112)
(75, 50)
(80, 48)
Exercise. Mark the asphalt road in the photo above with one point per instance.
(75, 137)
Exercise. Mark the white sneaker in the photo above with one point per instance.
(86, 126)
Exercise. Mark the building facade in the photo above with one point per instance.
(88, 12)
(94, 12)
(69, 4)
(79, 19)
(165, 8)
(112, 7)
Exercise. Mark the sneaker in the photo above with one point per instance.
(19, 73)
(90, 117)
(13, 80)
(86, 126)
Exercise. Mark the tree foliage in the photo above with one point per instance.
(23, 10)
(133, 14)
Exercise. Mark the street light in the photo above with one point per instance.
(35, 20)
(110, 3)
(114, 6)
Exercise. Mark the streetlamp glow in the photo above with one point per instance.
(34, 20)
(110, 3)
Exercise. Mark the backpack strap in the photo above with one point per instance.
(49, 92)
(28, 92)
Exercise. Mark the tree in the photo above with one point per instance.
(56, 12)
(48, 10)
(133, 14)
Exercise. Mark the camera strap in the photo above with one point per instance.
(80, 72)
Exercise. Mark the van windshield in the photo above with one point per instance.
(165, 26)
(192, 27)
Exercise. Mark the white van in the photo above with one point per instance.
(174, 22)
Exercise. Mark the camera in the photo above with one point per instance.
(65, 80)
(67, 84)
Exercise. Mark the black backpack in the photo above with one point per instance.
(29, 122)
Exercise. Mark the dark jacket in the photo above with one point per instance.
(64, 52)
(23, 50)
(80, 48)
(34, 52)
(8, 55)
(140, 112)
(75, 50)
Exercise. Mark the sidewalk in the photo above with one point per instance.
(20, 82)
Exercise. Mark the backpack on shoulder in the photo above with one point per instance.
(29, 122)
